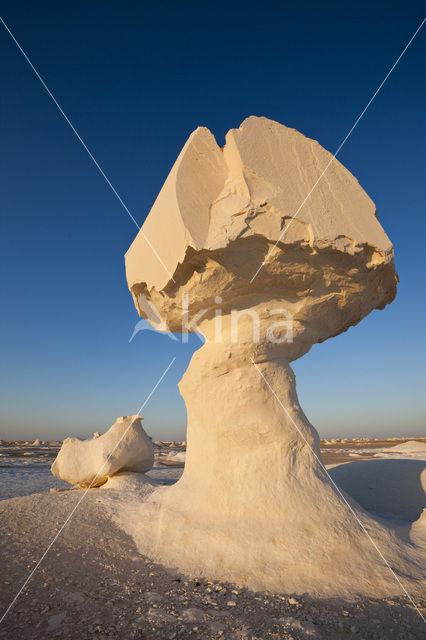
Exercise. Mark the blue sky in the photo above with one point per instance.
(135, 81)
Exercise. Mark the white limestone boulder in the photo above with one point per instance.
(124, 447)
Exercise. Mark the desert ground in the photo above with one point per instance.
(93, 582)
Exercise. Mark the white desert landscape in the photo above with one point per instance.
(253, 528)
(95, 583)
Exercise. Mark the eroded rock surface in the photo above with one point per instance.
(255, 505)
(124, 447)
(265, 174)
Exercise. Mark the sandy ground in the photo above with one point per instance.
(93, 583)
(347, 450)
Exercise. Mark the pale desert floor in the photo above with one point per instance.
(93, 583)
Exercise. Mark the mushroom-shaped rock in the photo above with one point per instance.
(268, 246)
(89, 463)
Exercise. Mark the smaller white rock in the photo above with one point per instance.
(124, 447)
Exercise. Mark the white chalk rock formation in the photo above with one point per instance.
(254, 504)
(410, 448)
(175, 459)
(391, 488)
(124, 447)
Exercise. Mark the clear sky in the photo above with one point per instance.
(136, 78)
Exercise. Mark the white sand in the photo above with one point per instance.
(94, 584)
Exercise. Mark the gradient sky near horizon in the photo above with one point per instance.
(135, 79)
